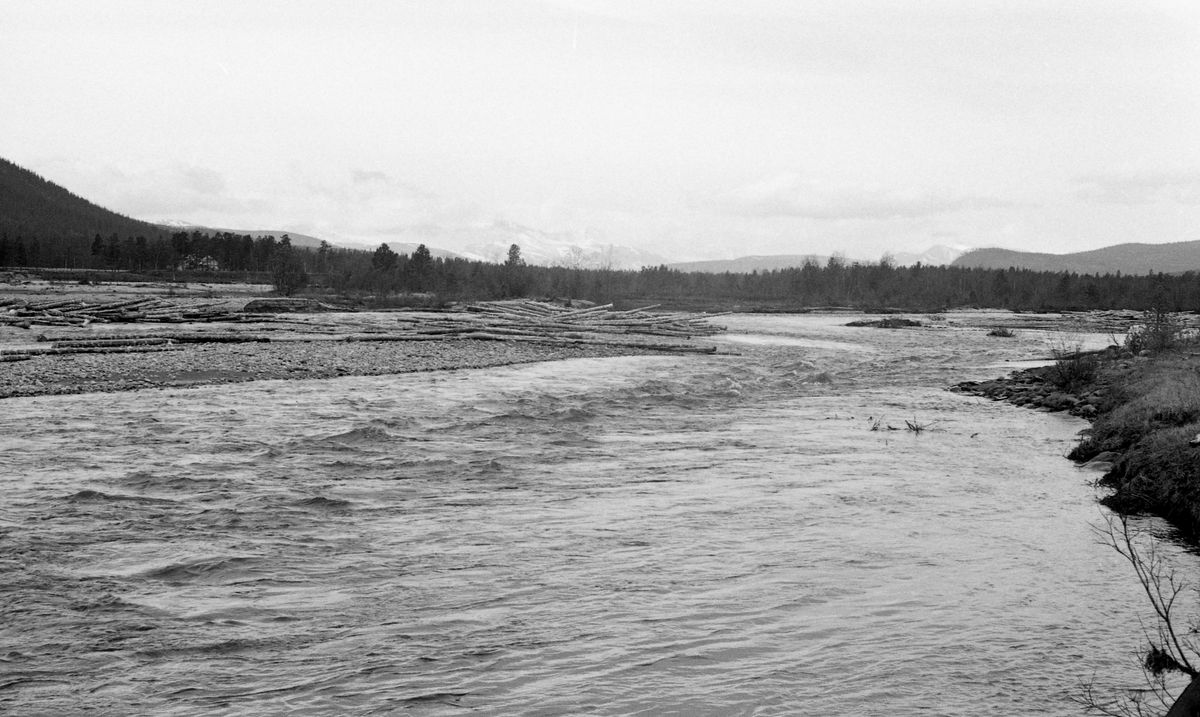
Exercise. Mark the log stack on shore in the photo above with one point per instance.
(74, 312)
(517, 321)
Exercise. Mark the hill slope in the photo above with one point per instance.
(1171, 258)
(34, 207)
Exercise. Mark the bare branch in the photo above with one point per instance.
(1168, 644)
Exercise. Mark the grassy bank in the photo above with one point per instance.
(1143, 399)
(1148, 424)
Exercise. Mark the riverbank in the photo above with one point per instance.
(1145, 432)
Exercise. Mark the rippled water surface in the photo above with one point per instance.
(716, 535)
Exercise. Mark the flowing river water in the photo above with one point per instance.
(679, 535)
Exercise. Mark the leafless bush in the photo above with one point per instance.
(917, 427)
(1173, 643)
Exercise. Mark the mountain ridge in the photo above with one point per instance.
(934, 256)
(1127, 258)
(32, 206)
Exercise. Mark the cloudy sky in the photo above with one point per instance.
(694, 128)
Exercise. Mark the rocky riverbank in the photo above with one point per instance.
(1075, 384)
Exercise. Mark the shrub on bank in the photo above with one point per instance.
(1074, 372)
(1150, 415)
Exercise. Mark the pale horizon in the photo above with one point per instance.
(688, 130)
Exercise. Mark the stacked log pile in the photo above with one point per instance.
(74, 312)
(515, 321)
(544, 323)
(92, 346)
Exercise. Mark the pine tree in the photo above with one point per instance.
(514, 256)
(287, 269)
(384, 259)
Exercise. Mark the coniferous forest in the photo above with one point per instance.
(383, 273)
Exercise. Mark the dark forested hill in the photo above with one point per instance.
(32, 207)
(1172, 258)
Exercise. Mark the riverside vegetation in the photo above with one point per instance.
(1143, 398)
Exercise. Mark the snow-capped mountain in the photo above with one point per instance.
(938, 255)
(491, 242)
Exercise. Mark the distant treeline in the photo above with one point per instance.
(383, 273)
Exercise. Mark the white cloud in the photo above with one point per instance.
(789, 195)
(1140, 188)
(167, 191)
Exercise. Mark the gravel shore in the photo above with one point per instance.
(208, 364)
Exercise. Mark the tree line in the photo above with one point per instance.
(385, 273)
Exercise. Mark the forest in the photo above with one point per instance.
(383, 275)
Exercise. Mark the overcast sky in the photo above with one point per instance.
(698, 129)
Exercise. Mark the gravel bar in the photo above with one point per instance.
(209, 364)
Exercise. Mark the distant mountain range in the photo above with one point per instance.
(480, 242)
(1171, 258)
(938, 255)
(32, 207)
(65, 224)
(297, 238)
(747, 264)
(490, 242)
(935, 256)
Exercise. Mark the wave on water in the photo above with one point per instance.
(223, 570)
(145, 481)
(365, 436)
(704, 535)
(573, 414)
(95, 496)
(319, 502)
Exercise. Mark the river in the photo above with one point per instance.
(679, 535)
